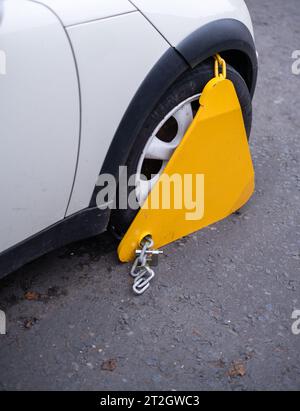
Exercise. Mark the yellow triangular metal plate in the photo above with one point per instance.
(214, 146)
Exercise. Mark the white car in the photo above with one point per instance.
(87, 86)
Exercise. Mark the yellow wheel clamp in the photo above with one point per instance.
(214, 159)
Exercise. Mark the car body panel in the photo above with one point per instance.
(73, 12)
(112, 61)
(177, 19)
(39, 117)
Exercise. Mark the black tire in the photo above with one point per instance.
(190, 84)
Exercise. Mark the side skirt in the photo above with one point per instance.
(87, 223)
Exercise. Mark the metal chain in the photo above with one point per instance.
(219, 62)
(141, 271)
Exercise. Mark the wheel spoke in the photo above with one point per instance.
(159, 150)
(184, 118)
(144, 188)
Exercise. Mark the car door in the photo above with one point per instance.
(39, 120)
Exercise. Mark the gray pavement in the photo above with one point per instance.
(218, 315)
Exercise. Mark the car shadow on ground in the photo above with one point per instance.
(56, 267)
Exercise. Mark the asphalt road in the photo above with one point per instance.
(218, 315)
